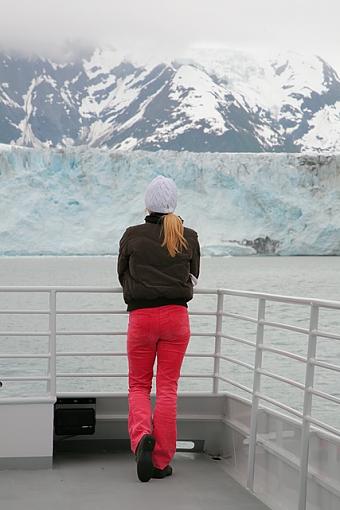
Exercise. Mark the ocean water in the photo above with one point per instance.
(314, 277)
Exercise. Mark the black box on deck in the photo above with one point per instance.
(74, 416)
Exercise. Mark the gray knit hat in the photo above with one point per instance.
(161, 195)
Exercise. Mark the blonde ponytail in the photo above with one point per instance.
(173, 229)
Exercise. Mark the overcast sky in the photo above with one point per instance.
(169, 27)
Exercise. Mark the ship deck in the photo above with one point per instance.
(282, 454)
(104, 481)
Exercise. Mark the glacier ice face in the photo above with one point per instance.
(79, 200)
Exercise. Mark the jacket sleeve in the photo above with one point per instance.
(195, 261)
(123, 258)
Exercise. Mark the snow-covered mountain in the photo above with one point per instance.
(209, 100)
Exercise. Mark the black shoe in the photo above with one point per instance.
(161, 473)
(144, 457)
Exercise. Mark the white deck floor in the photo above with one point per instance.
(108, 481)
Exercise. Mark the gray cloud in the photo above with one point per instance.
(156, 27)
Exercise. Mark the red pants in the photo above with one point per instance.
(163, 331)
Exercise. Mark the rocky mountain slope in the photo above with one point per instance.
(206, 101)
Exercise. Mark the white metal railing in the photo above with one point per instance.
(312, 333)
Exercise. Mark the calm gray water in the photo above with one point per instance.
(296, 276)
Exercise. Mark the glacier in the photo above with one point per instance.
(79, 201)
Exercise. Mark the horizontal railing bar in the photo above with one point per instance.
(279, 404)
(60, 288)
(124, 393)
(281, 378)
(11, 355)
(91, 374)
(203, 334)
(183, 417)
(90, 353)
(323, 425)
(202, 313)
(234, 383)
(83, 312)
(323, 303)
(117, 312)
(40, 312)
(113, 374)
(88, 289)
(324, 364)
(206, 291)
(113, 333)
(324, 395)
(280, 325)
(110, 353)
(23, 378)
(200, 355)
(239, 316)
(282, 352)
(25, 333)
(323, 334)
(237, 339)
(236, 361)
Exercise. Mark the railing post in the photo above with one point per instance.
(51, 383)
(256, 388)
(307, 405)
(219, 318)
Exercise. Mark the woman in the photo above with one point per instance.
(157, 264)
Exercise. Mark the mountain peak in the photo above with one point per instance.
(207, 99)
